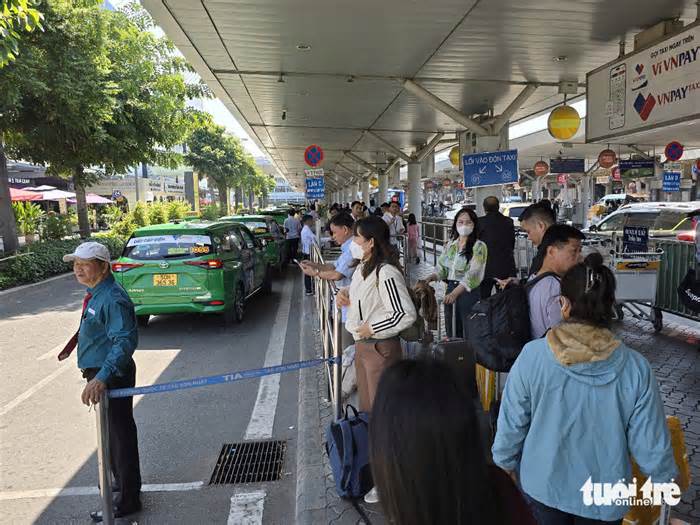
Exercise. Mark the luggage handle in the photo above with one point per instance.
(441, 311)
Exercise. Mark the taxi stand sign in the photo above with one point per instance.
(315, 184)
(490, 169)
(672, 181)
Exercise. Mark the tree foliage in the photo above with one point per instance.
(95, 88)
(16, 17)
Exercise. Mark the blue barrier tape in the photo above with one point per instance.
(216, 380)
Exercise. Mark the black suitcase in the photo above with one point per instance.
(456, 352)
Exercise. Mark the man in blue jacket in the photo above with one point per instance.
(106, 342)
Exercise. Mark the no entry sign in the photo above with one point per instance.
(313, 155)
(674, 151)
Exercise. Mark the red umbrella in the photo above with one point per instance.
(21, 195)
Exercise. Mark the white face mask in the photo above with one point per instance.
(465, 230)
(356, 251)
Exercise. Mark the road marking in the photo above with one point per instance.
(33, 390)
(93, 491)
(263, 417)
(247, 508)
(53, 352)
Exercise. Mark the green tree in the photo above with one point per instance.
(101, 90)
(16, 17)
(216, 155)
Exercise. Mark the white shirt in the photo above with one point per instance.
(395, 227)
(308, 239)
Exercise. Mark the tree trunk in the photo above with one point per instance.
(8, 227)
(223, 198)
(81, 202)
(239, 197)
(251, 196)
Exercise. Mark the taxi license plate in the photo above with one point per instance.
(165, 279)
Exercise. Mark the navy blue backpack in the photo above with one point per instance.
(347, 446)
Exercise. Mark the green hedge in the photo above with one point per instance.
(45, 259)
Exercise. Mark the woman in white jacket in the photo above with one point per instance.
(379, 306)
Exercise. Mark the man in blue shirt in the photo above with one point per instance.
(292, 229)
(106, 342)
(341, 271)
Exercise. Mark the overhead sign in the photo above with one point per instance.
(602, 180)
(696, 168)
(672, 181)
(635, 239)
(562, 179)
(615, 174)
(637, 168)
(655, 87)
(567, 165)
(673, 151)
(313, 155)
(315, 187)
(490, 169)
(607, 158)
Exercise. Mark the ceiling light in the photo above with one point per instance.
(303, 47)
(560, 58)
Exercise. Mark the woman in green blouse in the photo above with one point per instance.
(461, 265)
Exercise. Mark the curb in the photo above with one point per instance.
(31, 285)
(310, 487)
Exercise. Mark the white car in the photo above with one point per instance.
(664, 219)
(514, 210)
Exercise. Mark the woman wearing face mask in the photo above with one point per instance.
(462, 265)
(379, 308)
(577, 405)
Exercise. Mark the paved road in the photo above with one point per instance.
(47, 437)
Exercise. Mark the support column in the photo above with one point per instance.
(395, 177)
(414, 190)
(364, 186)
(585, 199)
(383, 187)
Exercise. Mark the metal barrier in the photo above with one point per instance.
(330, 327)
(678, 257)
(438, 234)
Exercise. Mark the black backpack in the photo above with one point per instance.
(499, 326)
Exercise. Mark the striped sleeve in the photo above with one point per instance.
(397, 303)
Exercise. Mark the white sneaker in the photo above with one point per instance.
(372, 496)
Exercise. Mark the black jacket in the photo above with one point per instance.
(498, 232)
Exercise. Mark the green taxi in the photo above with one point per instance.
(279, 214)
(192, 267)
(268, 231)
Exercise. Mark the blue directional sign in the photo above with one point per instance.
(315, 188)
(672, 181)
(638, 167)
(490, 169)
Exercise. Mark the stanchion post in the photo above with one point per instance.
(337, 365)
(103, 463)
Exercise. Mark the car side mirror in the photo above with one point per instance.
(593, 228)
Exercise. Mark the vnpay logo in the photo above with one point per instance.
(644, 105)
(640, 80)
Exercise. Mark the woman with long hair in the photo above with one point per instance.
(413, 236)
(427, 455)
(461, 265)
(577, 404)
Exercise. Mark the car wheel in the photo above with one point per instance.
(267, 282)
(142, 320)
(239, 304)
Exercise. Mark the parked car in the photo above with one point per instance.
(514, 210)
(279, 214)
(193, 267)
(664, 219)
(268, 231)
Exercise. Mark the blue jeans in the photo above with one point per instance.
(545, 515)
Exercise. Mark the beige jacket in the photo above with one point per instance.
(383, 301)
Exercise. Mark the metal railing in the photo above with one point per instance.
(437, 234)
(329, 321)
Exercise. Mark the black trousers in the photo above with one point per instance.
(308, 280)
(123, 440)
(461, 309)
(292, 246)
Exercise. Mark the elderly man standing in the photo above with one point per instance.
(106, 342)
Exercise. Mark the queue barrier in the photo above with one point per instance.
(103, 454)
(679, 257)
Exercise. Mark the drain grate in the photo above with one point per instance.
(249, 462)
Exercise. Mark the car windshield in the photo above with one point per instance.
(156, 247)
(256, 226)
(516, 211)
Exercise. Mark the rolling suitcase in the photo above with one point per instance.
(456, 352)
